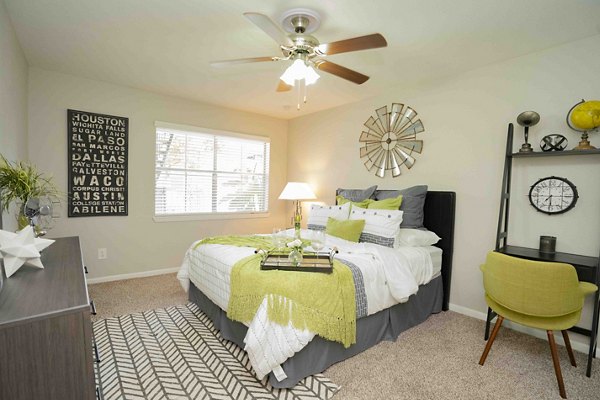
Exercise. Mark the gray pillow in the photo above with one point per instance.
(413, 202)
(357, 194)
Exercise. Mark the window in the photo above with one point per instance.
(202, 171)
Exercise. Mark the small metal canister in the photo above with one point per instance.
(548, 244)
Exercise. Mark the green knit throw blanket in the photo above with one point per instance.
(322, 303)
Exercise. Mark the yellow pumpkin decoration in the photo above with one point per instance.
(586, 115)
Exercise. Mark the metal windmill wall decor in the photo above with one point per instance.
(391, 139)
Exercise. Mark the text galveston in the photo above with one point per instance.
(97, 164)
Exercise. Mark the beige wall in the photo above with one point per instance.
(135, 243)
(13, 98)
(465, 122)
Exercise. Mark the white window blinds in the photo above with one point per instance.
(203, 171)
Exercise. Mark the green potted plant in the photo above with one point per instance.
(20, 181)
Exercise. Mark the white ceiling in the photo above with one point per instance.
(165, 46)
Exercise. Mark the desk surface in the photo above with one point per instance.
(535, 254)
(586, 266)
(57, 289)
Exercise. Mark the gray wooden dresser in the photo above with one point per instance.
(45, 329)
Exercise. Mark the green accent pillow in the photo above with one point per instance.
(362, 204)
(393, 203)
(349, 229)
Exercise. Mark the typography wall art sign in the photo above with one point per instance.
(97, 164)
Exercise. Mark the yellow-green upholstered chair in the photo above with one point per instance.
(544, 295)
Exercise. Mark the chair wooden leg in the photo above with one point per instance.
(569, 348)
(554, 352)
(490, 341)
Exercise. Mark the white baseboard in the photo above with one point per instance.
(120, 277)
(576, 342)
(468, 312)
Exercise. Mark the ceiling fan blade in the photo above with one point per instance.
(226, 63)
(269, 27)
(355, 44)
(283, 87)
(342, 72)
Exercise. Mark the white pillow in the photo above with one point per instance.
(381, 226)
(317, 219)
(417, 237)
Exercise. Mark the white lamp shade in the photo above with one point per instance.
(298, 71)
(311, 76)
(297, 191)
(294, 72)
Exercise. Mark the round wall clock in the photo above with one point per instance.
(553, 195)
(391, 139)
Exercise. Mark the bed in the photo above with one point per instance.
(387, 324)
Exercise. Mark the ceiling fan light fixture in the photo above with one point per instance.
(293, 72)
(311, 75)
(298, 71)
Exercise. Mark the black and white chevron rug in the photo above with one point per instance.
(176, 353)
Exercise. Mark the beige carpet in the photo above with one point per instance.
(127, 297)
(435, 360)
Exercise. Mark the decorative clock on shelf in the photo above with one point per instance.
(553, 195)
(391, 139)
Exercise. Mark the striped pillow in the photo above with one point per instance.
(317, 219)
(381, 226)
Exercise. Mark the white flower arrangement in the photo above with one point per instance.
(295, 255)
(295, 244)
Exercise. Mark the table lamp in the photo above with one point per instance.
(297, 191)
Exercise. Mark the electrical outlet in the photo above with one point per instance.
(102, 253)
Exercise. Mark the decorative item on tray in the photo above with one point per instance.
(278, 238)
(310, 262)
(295, 256)
(527, 119)
(554, 142)
(584, 117)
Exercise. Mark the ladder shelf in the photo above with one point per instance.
(588, 268)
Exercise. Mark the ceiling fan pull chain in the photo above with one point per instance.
(305, 87)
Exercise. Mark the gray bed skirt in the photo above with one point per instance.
(319, 354)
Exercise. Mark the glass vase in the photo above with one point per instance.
(22, 220)
(295, 257)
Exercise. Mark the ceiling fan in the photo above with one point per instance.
(305, 50)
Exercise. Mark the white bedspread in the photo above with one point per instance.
(390, 276)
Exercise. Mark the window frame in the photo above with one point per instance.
(181, 217)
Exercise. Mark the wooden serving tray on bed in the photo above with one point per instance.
(311, 262)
